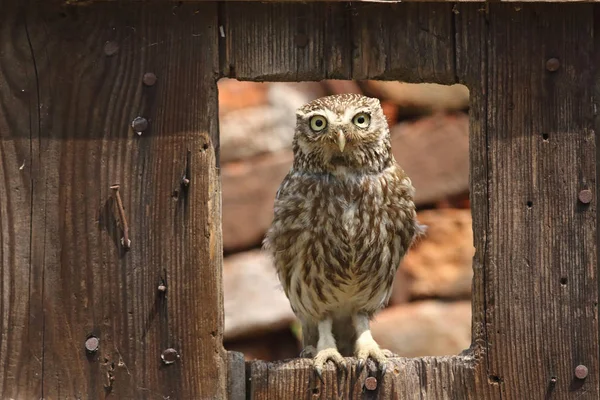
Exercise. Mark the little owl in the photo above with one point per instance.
(343, 218)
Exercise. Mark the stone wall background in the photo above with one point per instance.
(430, 311)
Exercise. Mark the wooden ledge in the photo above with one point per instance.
(435, 377)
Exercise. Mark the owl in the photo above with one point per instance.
(344, 217)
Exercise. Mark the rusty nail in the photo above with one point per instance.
(552, 64)
(139, 125)
(581, 372)
(301, 40)
(169, 356)
(585, 196)
(162, 287)
(125, 241)
(110, 48)
(149, 79)
(371, 383)
(91, 344)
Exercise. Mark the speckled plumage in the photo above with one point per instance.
(344, 216)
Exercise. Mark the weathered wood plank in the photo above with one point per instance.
(291, 42)
(408, 378)
(89, 63)
(407, 42)
(294, 42)
(21, 309)
(541, 281)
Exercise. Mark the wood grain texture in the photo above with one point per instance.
(542, 277)
(407, 379)
(21, 263)
(295, 42)
(535, 283)
(81, 69)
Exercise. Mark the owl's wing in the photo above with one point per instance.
(284, 184)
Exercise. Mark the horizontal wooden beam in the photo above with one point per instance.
(87, 2)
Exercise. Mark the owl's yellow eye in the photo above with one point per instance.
(362, 120)
(318, 123)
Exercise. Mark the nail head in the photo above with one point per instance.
(110, 48)
(581, 372)
(149, 79)
(91, 344)
(169, 356)
(552, 64)
(185, 181)
(139, 124)
(585, 196)
(371, 383)
(162, 288)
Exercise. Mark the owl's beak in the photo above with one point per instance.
(341, 140)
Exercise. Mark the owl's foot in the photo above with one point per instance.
(370, 348)
(308, 352)
(366, 346)
(327, 349)
(325, 355)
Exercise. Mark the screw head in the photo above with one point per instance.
(169, 356)
(91, 344)
(552, 64)
(585, 196)
(371, 383)
(581, 372)
(139, 125)
(149, 79)
(110, 48)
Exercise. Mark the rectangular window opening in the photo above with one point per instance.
(429, 313)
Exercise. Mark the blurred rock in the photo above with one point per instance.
(267, 121)
(276, 345)
(434, 152)
(440, 265)
(235, 95)
(254, 300)
(425, 328)
(248, 194)
(414, 99)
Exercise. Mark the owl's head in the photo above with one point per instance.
(345, 130)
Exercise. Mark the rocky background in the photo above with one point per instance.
(430, 310)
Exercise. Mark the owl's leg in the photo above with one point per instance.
(366, 346)
(326, 348)
(310, 335)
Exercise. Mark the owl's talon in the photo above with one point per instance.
(370, 348)
(360, 366)
(319, 372)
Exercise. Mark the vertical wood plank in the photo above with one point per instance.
(21, 311)
(541, 280)
(89, 62)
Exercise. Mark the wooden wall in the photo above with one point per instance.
(71, 83)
